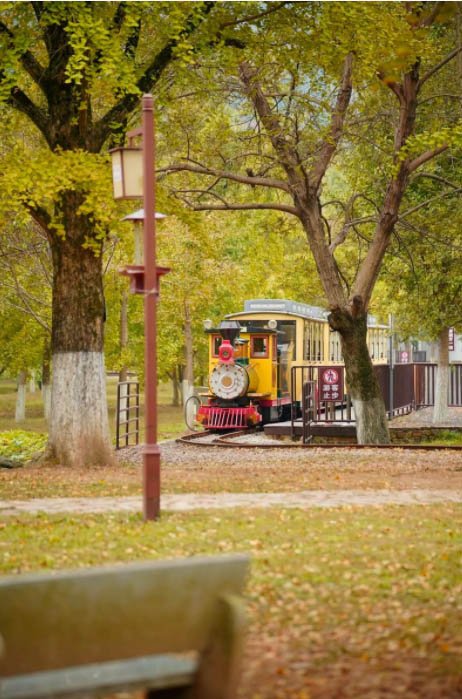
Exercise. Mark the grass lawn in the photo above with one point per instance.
(170, 419)
(350, 602)
(344, 603)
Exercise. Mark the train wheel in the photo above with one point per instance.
(191, 407)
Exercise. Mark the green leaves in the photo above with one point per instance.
(19, 446)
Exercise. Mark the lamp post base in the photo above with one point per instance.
(151, 482)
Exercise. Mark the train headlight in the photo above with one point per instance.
(229, 381)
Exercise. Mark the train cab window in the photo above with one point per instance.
(274, 347)
(216, 342)
(241, 349)
(259, 346)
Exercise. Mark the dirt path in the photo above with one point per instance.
(180, 503)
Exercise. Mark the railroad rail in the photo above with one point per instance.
(228, 439)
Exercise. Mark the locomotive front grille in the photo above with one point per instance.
(216, 418)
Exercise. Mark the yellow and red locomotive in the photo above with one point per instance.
(251, 355)
(243, 377)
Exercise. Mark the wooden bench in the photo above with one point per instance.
(173, 628)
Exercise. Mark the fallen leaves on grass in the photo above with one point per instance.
(347, 603)
(198, 470)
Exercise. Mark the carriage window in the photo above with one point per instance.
(216, 342)
(335, 348)
(259, 346)
(374, 336)
(370, 342)
(314, 342)
(382, 344)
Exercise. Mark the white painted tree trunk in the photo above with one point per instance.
(46, 397)
(371, 425)
(32, 383)
(20, 411)
(79, 430)
(187, 390)
(188, 376)
(440, 409)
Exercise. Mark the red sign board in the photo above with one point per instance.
(330, 383)
(404, 357)
(451, 339)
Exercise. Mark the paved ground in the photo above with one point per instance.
(178, 503)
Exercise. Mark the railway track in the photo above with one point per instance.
(229, 439)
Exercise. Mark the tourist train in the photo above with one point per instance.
(252, 354)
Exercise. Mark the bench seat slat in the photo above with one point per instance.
(152, 672)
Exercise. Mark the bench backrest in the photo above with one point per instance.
(50, 621)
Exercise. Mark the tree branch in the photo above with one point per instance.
(38, 9)
(134, 36)
(429, 201)
(247, 207)
(330, 144)
(443, 180)
(28, 60)
(439, 65)
(223, 174)
(20, 101)
(43, 220)
(120, 111)
(425, 157)
(252, 18)
(441, 95)
(29, 311)
(286, 153)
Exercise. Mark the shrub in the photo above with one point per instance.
(20, 446)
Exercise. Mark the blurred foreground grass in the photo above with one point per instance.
(366, 599)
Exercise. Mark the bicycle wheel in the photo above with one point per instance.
(191, 407)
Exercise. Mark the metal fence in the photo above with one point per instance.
(398, 387)
(425, 381)
(405, 387)
(305, 397)
(127, 414)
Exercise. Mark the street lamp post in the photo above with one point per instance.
(133, 177)
(151, 452)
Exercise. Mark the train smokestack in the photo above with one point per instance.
(230, 330)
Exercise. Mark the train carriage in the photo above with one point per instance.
(251, 354)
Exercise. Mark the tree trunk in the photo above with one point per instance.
(79, 430)
(440, 409)
(188, 376)
(20, 411)
(175, 388)
(46, 380)
(123, 373)
(32, 382)
(362, 385)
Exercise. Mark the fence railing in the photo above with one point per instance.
(426, 382)
(127, 414)
(405, 387)
(306, 397)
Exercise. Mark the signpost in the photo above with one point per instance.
(331, 384)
